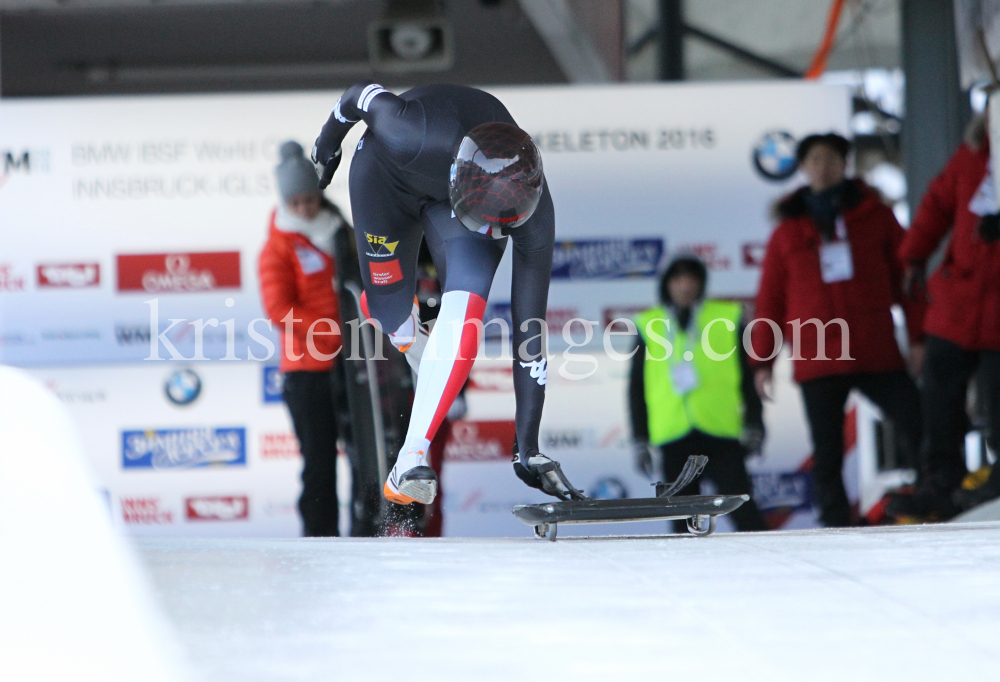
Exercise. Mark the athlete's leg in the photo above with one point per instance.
(387, 232)
(470, 261)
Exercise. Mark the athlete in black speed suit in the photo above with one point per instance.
(408, 174)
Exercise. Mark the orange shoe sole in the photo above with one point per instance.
(396, 498)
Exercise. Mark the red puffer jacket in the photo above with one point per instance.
(964, 292)
(296, 276)
(792, 288)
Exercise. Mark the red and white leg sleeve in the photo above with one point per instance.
(446, 363)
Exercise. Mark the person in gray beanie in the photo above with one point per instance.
(297, 271)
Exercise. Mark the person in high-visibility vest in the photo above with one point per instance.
(690, 390)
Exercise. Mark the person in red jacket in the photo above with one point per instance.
(296, 280)
(829, 278)
(963, 318)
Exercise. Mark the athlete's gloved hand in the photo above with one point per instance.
(546, 475)
(643, 459)
(326, 162)
(530, 478)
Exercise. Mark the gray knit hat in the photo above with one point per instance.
(295, 173)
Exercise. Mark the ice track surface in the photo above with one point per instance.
(904, 603)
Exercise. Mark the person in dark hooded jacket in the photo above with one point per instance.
(829, 279)
(690, 390)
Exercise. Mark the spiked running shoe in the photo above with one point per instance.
(411, 480)
(418, 484)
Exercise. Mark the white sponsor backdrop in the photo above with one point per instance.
(86, 182)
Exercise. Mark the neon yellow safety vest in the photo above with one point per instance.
(715, 405)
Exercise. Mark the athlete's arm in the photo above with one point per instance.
(397, 123)
(532, 269)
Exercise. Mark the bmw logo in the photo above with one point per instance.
(182, 387)
(774, 155)
(609, 488)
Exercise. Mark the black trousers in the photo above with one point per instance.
(896, 395)
(309, 396)
(725, 467)
(947, 371)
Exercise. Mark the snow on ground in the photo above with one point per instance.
(901, 603)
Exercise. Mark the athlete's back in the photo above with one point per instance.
(417, 133)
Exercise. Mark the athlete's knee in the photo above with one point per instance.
(462, 315)
(385, 312)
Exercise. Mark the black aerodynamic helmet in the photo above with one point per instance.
(496, 178)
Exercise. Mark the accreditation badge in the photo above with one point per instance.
(684, 377)
(835, 262)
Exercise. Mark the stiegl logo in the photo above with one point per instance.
(69, 275)
(228, 508)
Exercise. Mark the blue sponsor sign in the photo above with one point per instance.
(274, 381)
(791, 490)
(184, 448)
(606, 258)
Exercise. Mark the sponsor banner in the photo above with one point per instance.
(606, 258)
(10, 281)
(753, 254)
(568, 439)
(790, 491)
(480, 441)
(628, 312)
(25, 161)
(145, 511)
(13, 338)
(500, 315)
(132, 334)
(280, 508)
(166, 273)
(184, 448)
(77, 395)
(274, 382)
(70, 335)
(217, 508)
(69, 275)
(279, 445)
(492, 378)
(709, 252)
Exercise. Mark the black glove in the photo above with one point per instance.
(989, 227)
(529, 477)
(643, 459)
(326, 163)
(752, 438)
